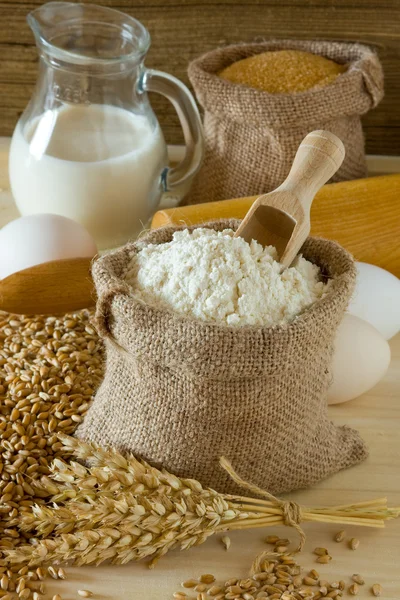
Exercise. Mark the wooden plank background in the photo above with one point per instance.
(183, 29)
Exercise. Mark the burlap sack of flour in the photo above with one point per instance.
(181, 393)
(251, 136)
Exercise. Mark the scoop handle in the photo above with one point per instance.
(319, 156)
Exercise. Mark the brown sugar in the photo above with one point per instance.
(283, 71)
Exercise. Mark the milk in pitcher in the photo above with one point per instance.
(99, 165)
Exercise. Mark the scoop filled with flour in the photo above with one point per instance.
(216, 277)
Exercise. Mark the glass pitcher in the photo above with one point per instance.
(88, 145)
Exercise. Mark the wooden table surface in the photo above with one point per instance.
(377, 416)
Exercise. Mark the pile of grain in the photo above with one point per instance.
(50, 368)
(275, 575)
(283, 71)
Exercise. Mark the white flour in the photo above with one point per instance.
(216, 277)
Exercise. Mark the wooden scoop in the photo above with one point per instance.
(282, 218)
(54, 287)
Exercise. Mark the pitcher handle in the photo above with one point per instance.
(184, 104)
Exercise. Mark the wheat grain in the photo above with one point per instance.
(49, 370)
(320, 551)
(226, 540)
(376, 589)
(310, 581)
(272, 539)
(190, 583)
(323, 589)
(4, 583)
(339, 536)
(52, 572)
(334, 585)
(215, 590)
(207, 578)
(282, 542)
(324, 560)
(354, 543)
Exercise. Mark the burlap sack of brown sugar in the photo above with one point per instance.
(251, 136)
(181, 393)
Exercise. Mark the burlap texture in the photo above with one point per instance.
(251, 136)
(181, 393)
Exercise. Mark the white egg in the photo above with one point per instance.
(361, 359)
(41, 238)
(377, 299)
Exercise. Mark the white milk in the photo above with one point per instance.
(98, 165)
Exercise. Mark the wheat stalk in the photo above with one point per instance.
(120, 509)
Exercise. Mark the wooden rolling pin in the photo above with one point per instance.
(362, 215)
